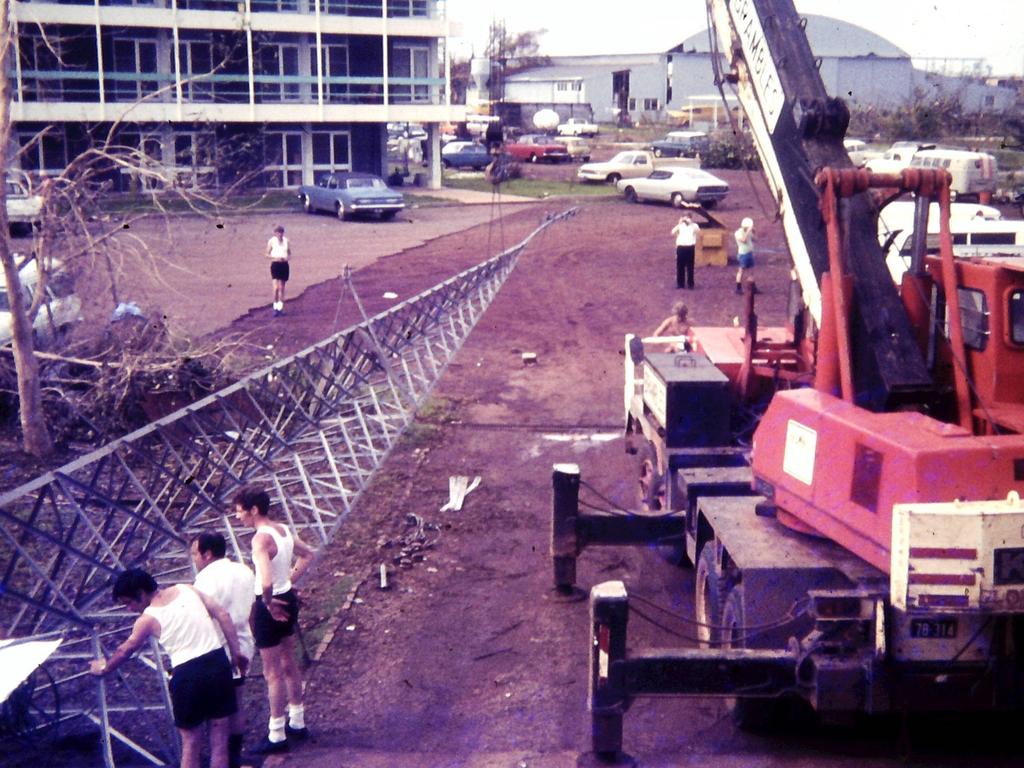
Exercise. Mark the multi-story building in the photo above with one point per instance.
(215, 89)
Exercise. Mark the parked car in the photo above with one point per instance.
(676, 185)
(23, 209)
(859, 152)
(455, 145)
(633, 164)
(973, 174)
(577, 148)
(534, 147)
(680, 144)
(896, 157)
(61, 310)
(575, 126)
(349, 193)
(470, 155)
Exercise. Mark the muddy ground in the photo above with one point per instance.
(470, 659)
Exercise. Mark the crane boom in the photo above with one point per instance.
(798, 128)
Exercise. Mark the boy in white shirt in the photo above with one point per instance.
(278, 251)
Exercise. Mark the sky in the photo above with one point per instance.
(989, 29)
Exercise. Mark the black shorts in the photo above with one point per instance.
(269, 633)
(202, 690)
(279, 270)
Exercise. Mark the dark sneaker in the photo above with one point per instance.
(296, 734)
(268, 747)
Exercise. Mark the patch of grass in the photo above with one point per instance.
(539, 188)
(329, 602)
(432, 416)
(273, 200)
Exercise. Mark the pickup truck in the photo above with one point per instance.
(574, 126)
(23, 209)
(348, 194)
(534, 147)
(632, 164)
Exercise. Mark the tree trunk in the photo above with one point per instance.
(35, 432)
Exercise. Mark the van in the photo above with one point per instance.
(897, 157)
(973, 173)
(975, 229)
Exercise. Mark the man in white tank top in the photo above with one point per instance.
(275, 614)
(184, 622)
(231, 584)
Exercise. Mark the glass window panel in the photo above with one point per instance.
(1017, 317)
(294, 149)
(321, 149)
(340, 149)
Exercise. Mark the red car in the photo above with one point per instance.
(535, 147)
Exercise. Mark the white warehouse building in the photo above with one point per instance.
(860, 66)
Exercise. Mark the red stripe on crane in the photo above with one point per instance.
(952, 579)
(944, 553)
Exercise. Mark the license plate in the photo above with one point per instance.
(933, 629)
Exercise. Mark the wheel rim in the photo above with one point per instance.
(614, 178)
(677, 200)
(341, 211)
(306, 203)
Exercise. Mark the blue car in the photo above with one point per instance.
(352, 194)
(473, 156)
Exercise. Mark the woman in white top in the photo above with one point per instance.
(275, 614)
(279, 250)
(182, 620)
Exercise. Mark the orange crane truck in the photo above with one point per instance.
(864, 550)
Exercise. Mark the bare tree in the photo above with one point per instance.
(75, 234)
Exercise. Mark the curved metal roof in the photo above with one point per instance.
(828, 38)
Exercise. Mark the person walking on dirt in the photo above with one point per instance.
(278, 251)
(231, 584)
(184, 621)
(275, 614)
(686, 245)
(744, 251)
(676, 324)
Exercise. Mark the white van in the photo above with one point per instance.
(974, 173)
(971, 225)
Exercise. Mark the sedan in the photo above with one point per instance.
(352, 194)
(676, 186)
(473, 156)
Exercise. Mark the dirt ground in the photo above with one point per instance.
(471, 659)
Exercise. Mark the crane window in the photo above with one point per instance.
(867, 475)
(1016, 314)
(974, 317)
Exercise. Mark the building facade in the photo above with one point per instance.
(218, 89)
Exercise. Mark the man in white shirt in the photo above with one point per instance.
(686, 232)
(231, 584)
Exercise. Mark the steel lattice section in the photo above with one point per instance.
(313, 428)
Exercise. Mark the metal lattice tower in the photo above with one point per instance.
(311, 428)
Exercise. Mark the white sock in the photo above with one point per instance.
(277, 733)
(297, 716)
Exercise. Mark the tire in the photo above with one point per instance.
(677, 200)
(674, 550)
(613, 178)
(710, 204)
(307, 204)
(707, 598)
(446, 163)
(388, 215)
(630, 194)
(534, 159)
(340, 212)
(650, 480)
(747, 714)
(658, 153)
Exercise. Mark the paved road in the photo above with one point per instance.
(190, 267)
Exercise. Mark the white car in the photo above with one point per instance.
(574, 126)
(62, 309)
(578, 149)
(676, 185)
(625, 165)
(23, 209)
